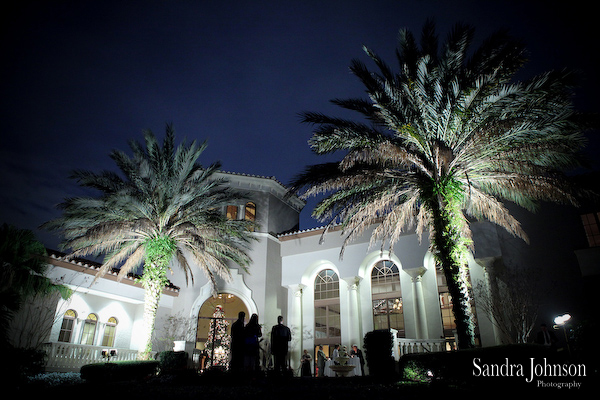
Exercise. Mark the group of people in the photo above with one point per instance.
(245, 344)
(322, 358)
(245, 348)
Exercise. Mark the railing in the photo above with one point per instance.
(68, 357)
(409, 346)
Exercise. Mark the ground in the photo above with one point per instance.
(272, 388)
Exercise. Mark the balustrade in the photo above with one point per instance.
(410, 346)
(69, 357)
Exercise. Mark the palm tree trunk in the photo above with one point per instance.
(449, 247)
(152, 295)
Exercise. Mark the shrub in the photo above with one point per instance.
(119, 371)
(20, 363)
(52, 379)
(378, 353)
(171, 361)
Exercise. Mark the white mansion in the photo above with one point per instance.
(298, 274)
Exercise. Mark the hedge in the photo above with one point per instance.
(119, 370)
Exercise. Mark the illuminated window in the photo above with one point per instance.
(66, 329)
(232, 212)
(110, 331)
(448, 320)
(89, 329)
(591, 224)
(387, 304)
(327, 308)
(250, 212)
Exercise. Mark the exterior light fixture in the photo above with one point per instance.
(562, 319)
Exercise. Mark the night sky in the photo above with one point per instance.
(80, 78)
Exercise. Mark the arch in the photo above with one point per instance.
(67, 326)
(366, 267)
(236, 287)
(386, 297)
(230, 306)
(110, 331)
(311, 272)
(327, 307)
(250, 211)
(88, 334)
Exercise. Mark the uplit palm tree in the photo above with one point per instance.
(447, 137)
(165, 210)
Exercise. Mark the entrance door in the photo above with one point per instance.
(231, 306)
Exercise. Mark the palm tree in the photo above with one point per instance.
(22, 269)
(446, 138)
(165, 210)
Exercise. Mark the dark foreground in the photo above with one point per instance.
(265, 388)
(249, 389)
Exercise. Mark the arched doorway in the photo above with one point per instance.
(231, 306)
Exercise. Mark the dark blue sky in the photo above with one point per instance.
(80, 78)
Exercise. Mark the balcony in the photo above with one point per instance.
(69, 357)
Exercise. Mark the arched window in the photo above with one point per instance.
(66, 329)
(250, 212)
(327, 308)
(110, 331)
(232, 212)
(387, 297)
(89, 329)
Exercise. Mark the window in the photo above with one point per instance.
(66, 329)
(448, 320)
(250, 212)
(232, 212)
(327, 285)
(387, 304)
(327, 308)
(89, 329)
(591, 224)
(109, 332)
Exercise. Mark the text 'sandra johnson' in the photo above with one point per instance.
(535, 369)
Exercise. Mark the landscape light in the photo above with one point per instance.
(562, 319)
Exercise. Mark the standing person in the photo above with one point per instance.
(252, 334)
(546, 337)
(237, 343)
(280, 337)
(356, 352)
(306, 361)
(321, 357)
(336, 354)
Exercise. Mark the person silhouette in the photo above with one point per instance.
(237, 343)
(321, 358)
(306, 361)
(546, 337)
(252, 335)
(280, 337)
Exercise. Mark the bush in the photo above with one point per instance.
(119, 371)
(52, 379)
(20, 363)
(378, 353)
(171, 361)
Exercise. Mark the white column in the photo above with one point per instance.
(419, 302)
(296, 320)
(354, 311)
